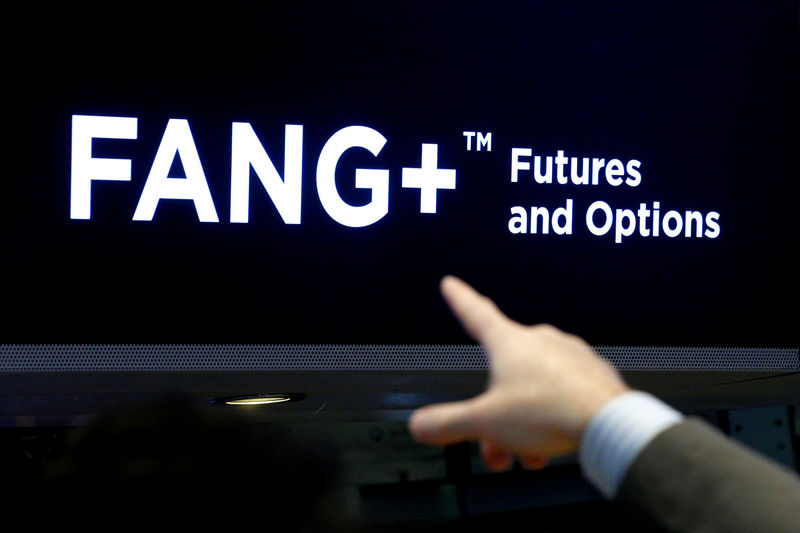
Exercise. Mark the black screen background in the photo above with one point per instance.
(704, 95)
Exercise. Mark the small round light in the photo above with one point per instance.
(258, 400)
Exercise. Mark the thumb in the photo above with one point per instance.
(446, 423)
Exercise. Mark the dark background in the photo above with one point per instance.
(704, 95)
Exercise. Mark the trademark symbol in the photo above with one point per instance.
(483, 141)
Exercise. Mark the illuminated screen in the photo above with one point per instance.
(305, 174)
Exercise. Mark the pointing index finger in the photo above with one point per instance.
(478, 315)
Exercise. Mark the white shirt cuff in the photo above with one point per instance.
(616, 435)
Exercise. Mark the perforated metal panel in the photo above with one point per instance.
(220, 357)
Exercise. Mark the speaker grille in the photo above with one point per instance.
(221, 357)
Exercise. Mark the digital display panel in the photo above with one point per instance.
(305, 174)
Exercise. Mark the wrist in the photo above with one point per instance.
(593, 406)
(616, 434)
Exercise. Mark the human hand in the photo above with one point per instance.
(544, 388)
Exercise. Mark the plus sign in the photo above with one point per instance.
(429, 179)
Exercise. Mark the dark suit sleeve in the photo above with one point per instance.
(693, 478)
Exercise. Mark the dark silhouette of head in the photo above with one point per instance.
(174, 464)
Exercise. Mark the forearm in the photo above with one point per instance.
(693, 478)
(685, 475)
